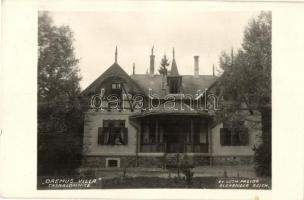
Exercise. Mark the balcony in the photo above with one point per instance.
(152, 148)
(173, 148)
(196, 148)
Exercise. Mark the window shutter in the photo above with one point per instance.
(225, 136)
(100, 135)
(244, 136)
(125, 132)
(222, 136)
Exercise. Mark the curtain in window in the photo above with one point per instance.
(103, 135)
(111, 130)
(122, 135)
(106, 135)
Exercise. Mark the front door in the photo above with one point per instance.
(174, 138)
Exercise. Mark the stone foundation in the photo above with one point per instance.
(201, 160)
(159, 161)
(125, 161)
(151, 161)
(100, 161)
(232, 160)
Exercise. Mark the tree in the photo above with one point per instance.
(164, 63)
(58, 77)
(59, 113)
(247, 80)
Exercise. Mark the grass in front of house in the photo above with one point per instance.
(119, 178)
(157, 182)
(145, 182)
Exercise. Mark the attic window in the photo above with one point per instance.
(116, 86)
(117, 89)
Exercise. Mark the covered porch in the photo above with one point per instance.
(173, 132)
(173, 135)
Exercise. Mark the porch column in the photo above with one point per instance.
(156, 131)
(192, 134)
(138, 135)
(210, 144)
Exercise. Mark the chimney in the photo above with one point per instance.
(133, 68)
(116, 54)
(213, 70)
(196, 66)
(152, 59)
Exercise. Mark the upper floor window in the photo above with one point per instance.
(116, 86)
(234, 134)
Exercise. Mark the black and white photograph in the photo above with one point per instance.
(154, 99)
(111, 99)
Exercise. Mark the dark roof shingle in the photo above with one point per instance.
(190, 84)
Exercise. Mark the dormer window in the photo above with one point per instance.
(174, 86)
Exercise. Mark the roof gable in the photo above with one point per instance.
(113, 71)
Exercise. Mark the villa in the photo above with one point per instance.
(144, 120)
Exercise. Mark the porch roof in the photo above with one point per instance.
(179, 109)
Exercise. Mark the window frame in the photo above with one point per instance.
(174, 86)
(231, 134)
(117, 86)
(111, 130)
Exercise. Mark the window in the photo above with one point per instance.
(116, 86)
(148, 132)
(234, 134)
(112, 162)
(113, 132)
(173, 86)
(116, 96)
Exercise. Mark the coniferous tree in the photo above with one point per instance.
(164, 63)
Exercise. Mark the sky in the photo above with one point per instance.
(205, 34)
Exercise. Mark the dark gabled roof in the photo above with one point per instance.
(143, 82)
(190, 84)
(113, 71)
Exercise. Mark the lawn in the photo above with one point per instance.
(157, 182)
(204, 177)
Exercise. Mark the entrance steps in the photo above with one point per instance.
(172, 160)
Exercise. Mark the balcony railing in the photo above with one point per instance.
(149, 148)
(196, 148)
(174, 148)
